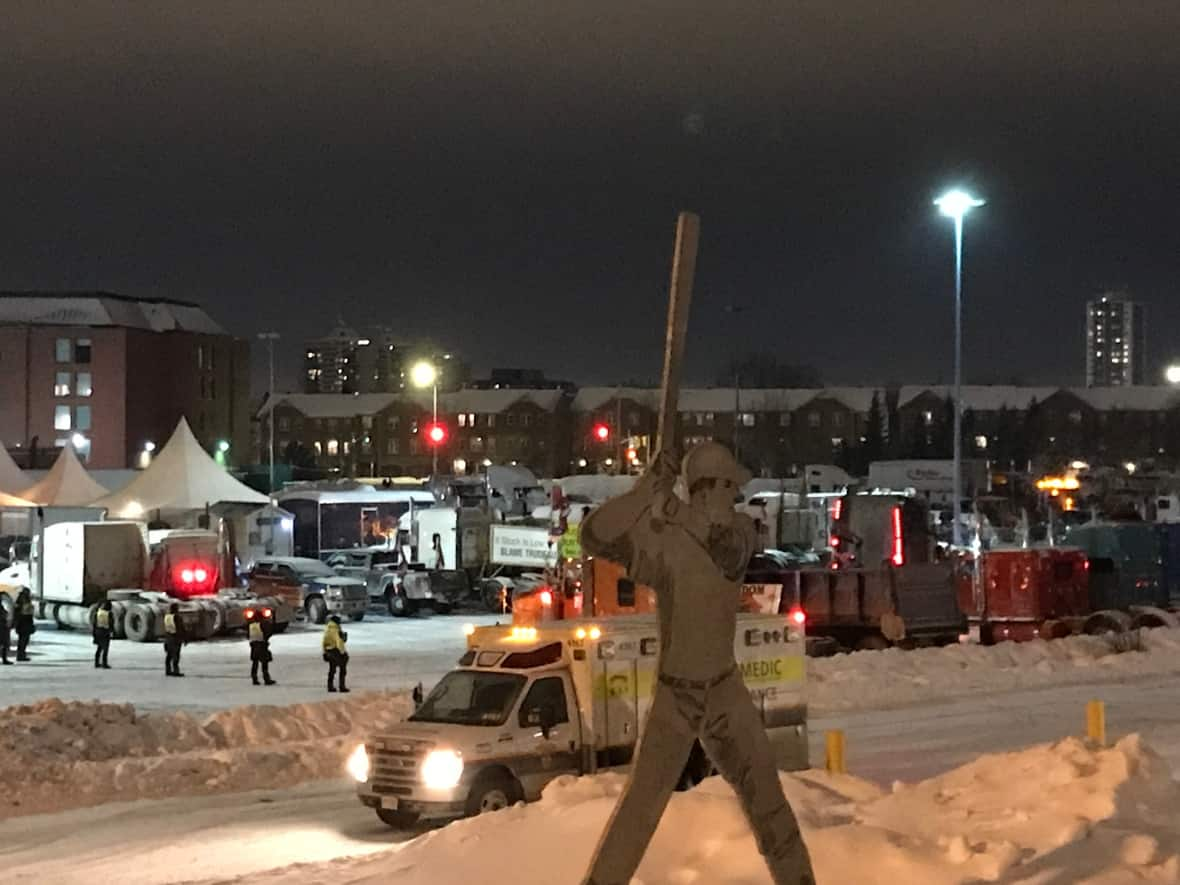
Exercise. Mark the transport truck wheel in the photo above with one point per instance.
(492, 792)
(398, 605)
(139, 623)
(442, 608)
(872, 643)
(317, 610)
(357, 617)
(489, 593)
(399, 820)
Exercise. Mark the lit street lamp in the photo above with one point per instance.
(270, 338)
(424, 374)
(955, 204)
(1172, 374)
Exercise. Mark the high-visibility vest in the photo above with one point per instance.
(332, 640)
(170, 624)
(102, 619)
(256, 634)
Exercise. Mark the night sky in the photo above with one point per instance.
(505, 176)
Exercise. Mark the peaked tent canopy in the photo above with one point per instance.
(66, 485)
(14, 501)
(12, 478)
(182, 476)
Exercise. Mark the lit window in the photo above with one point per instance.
(392, 447)
(82, 350)
(83, 387)
(333, 447)
(747, 419)
(927, 418)
(471, 419)
(462, 419)
(813, 419)
(708, 417)
(61, 418)
(837, 442)
(61, 384)
(981, 442)
(62, 350)
(82, 414)
(319, 447)
(347, 447)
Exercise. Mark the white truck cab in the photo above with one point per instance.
(528, 704)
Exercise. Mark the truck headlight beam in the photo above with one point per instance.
(358, 764)
(441, 769)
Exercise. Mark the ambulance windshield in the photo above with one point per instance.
(465, 697)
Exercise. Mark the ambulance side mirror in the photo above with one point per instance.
(542, 717)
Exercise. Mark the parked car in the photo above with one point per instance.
(310, 586)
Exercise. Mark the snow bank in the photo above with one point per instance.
(894, 678)
(61, 755)
(1051, 814)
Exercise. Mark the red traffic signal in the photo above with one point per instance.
(601, 432)
(436, 434)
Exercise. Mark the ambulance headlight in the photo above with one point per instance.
(441, 769)
(358, 764)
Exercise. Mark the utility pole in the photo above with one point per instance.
(270, 338)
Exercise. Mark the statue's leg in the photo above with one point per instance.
(735, 739)
(668, 737)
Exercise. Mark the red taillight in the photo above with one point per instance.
(249, 613)
(1086, 565)
(546, 597)
(186, 575)
(834, 541)
(898, 557)
(798, 617)
(266, 613)
(837, 508)
(200, 575)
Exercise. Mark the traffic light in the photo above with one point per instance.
(601, 432)
(436, 433)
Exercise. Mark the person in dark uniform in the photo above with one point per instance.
(4, 636)
(335, 653)
(103, 624)
(22, 622)
(260, 627)
(174, 639)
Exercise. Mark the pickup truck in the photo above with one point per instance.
(529, 704)
(309, 586)
(403, 591)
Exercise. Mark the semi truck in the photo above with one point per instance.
(528, 704)
(1109, 577)
(74, 566)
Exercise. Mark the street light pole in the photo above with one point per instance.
(434, 418)
(270, 338)
(956, 204)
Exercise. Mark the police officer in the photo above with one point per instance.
(22, 622)
(174, 638)
(694, 554)
(103, 622)
(335, 653)
(4, 636)
(261, 626)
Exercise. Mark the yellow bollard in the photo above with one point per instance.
(1096, 723)
(834, 759)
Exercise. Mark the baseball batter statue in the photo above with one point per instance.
(694, 554)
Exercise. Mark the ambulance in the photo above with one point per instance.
(528, 704)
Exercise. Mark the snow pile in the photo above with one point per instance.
(1050, 814)
(894, 678)
(68, 754)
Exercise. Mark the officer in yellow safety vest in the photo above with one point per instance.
(174, 638)
(103, 622)
(335, 654)
(260, 627)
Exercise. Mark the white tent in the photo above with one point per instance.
(66, 485)
(12, 478)
(13, 501)
(182, 476)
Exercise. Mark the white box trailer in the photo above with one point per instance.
(528, 704)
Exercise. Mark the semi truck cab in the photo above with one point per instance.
(529, 704)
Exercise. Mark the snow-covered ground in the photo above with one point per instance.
(386, 653)
(1057, 813)
(908, 716)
